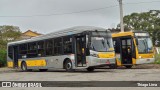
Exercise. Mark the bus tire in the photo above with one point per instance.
(90, 69)
(68, 66)
(128, 66)
(43, 70)
(24, 66)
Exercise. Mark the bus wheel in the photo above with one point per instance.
(128, 66)
(68, 66)
(90, 69)
(24, 66)
(43, 70)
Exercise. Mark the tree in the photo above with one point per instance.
(3, 55)
(8, 34)
(146, 21)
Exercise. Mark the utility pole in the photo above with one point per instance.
(121, 15)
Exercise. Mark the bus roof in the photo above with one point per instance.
(64, 32)
(129, 33)
(122, 34)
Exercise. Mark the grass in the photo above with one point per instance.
(157, 59)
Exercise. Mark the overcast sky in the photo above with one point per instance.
(46, 16)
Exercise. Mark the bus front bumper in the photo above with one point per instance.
(102, 61)
(145, 60)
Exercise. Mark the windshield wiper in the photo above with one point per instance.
(147, 45)
(103, 43)
(108, 43)
(144, 42)
(93, 47)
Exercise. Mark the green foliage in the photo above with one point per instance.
(157, 58)
(146, 21)
(3, 57)
(7, 34)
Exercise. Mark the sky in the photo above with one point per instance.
(45, 16)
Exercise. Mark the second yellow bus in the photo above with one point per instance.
(133, 48)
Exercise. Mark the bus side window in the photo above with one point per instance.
(41, 50)
(23, 51)
(58, 46)
(32, 50)
(116, 45)
(10, 52)
(67, 45)
(49, 47)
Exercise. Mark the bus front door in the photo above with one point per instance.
(80, 49)
(126, 52)
(15, 56)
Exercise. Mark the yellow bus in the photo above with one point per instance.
(133, 47)
(83, 47)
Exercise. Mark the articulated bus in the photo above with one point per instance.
(81, 47)
(133, 48)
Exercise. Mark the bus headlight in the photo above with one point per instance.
(140, 57)
(153, 56)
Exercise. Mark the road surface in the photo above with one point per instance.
(82, 75)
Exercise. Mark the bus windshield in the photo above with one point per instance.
(101, 44)
(145, 45)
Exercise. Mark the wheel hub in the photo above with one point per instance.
(24, 68)
(68, 65)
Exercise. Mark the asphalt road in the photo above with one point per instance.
(82, 75)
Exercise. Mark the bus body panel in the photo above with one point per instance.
(49, 62)
(145, 60)
(10, 64)
(94, 61)
(56, 62)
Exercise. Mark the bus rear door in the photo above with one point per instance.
(15, 56)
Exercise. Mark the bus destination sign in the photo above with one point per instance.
(141, 34)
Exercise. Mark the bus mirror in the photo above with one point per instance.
(86, 41)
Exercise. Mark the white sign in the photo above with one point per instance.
(99, 38)
(20, 84)
(141, 34)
